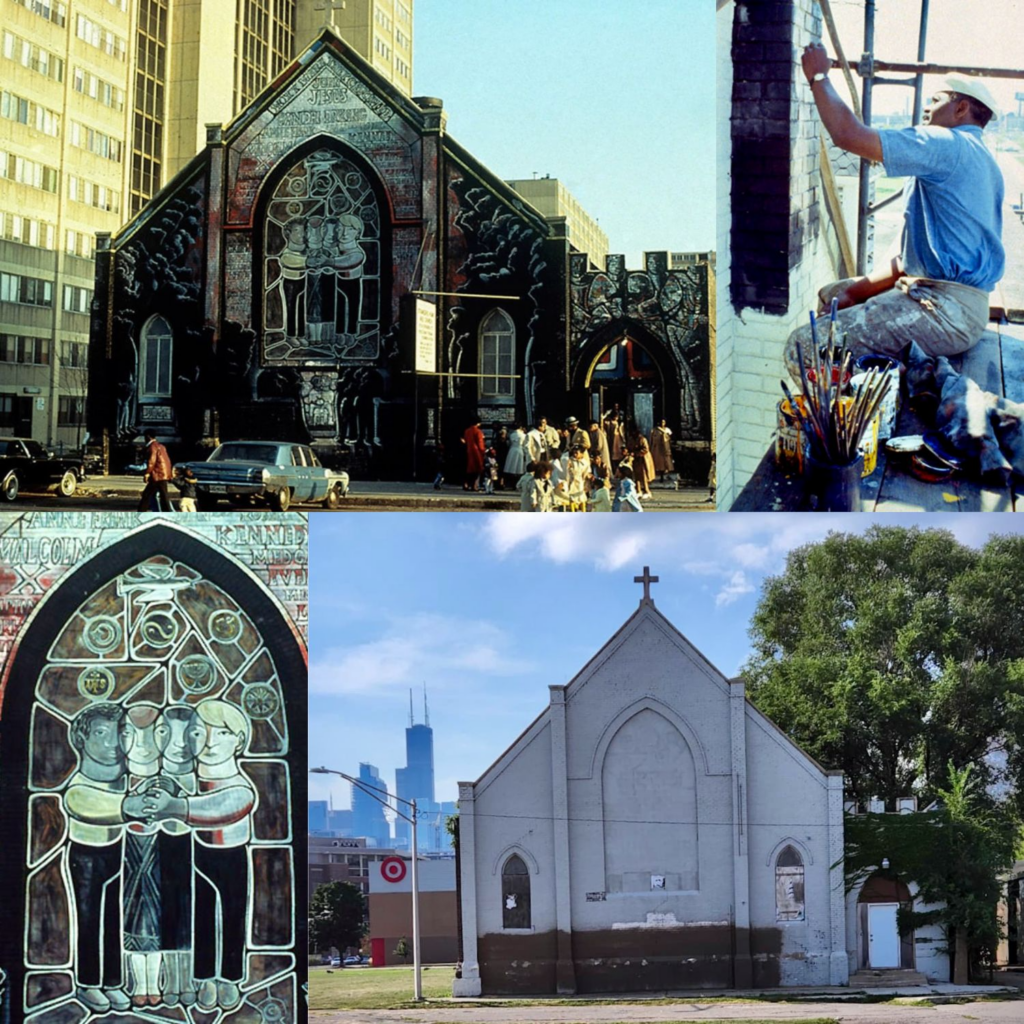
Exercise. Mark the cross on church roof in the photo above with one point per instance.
(647, 579)
(329, 7)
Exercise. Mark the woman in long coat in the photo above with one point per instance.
(661, 449)
(643, 468)
(518, 455)
(473, 439)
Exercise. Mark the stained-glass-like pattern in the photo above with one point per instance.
(161, 880)
(322, 265)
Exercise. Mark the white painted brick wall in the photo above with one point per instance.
(751, 344)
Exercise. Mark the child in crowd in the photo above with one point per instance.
(542, 492)
(576, 472)
(185, 481)
(490, 470)
(625, 494)
(600, 494)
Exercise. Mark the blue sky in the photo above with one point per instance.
(615, 99)
(490, 609)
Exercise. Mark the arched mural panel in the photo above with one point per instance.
(322, 264)
(145, 791)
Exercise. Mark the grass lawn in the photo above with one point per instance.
(374, 988)
(390, 988)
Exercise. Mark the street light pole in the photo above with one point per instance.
(417, 983)
(411, 817)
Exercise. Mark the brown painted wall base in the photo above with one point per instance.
(630, 960)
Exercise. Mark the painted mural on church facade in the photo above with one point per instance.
(153, 720)
(270, 294)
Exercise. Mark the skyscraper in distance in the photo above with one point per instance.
(367, 814)
(416, 780)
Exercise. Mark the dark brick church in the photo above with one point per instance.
(334, 268)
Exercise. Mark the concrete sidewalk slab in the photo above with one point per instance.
(423, 497)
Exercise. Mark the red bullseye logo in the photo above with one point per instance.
(392, 869)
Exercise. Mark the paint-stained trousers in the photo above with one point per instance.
(944, 318)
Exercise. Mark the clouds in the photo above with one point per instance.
(734, 589)
(736, 549)
(437, 649)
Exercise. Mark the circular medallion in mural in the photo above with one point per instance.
(260, 701)
(272, 1011)
(96, 683)
(197, 674)
(225, 626)
(159, 629)
(101, 634)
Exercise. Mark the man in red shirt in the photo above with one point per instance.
(158, 472)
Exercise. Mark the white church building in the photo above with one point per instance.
(652, 830)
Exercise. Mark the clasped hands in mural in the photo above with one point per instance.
(157, 800)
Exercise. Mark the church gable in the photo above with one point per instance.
(648, 658)
(326, 98)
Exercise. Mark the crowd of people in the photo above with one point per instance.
(606, 467)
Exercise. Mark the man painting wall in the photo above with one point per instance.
(936, 292)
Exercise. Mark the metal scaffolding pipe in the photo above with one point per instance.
(863, 203)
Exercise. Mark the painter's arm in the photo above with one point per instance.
(842, 124)
(860, 289)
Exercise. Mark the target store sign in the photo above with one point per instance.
(392, 869)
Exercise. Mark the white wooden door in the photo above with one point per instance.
(883, 935)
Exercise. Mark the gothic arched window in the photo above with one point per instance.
(497, 356)
(147, 792)
(789, 886)
(157, 352)
(515, 893)
(322, 264)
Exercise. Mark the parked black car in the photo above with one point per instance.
(26, 465)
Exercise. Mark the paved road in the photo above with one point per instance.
(640, 1013)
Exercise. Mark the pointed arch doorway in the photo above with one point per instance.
(159, 634)
(622, 367)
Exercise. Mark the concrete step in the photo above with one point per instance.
(890, 978)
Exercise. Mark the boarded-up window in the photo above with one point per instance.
(789, 886)
(515, 894)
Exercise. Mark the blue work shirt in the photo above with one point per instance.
(953, 217)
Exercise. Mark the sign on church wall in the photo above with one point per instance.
(152, 728)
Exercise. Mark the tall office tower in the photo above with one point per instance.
(416, 780)
(102, 102)
(378, 30)
(367, 814)
(317, 815)
(551, 198)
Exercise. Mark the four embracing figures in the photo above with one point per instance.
(159, 823)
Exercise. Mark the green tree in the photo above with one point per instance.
(955, 855)
(337, 916)
(402, 949)
(891, 653)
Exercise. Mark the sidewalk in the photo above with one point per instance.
(411, 496)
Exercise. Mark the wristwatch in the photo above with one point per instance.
(819, 77)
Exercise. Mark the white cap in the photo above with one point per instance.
(976, 89)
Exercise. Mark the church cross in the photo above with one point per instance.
(647, 579)
(329, 7)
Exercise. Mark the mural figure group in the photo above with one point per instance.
(159, 809)
(319, 281)
(161, 875)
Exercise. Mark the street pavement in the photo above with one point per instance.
(1009, 1012)
(122, 493)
